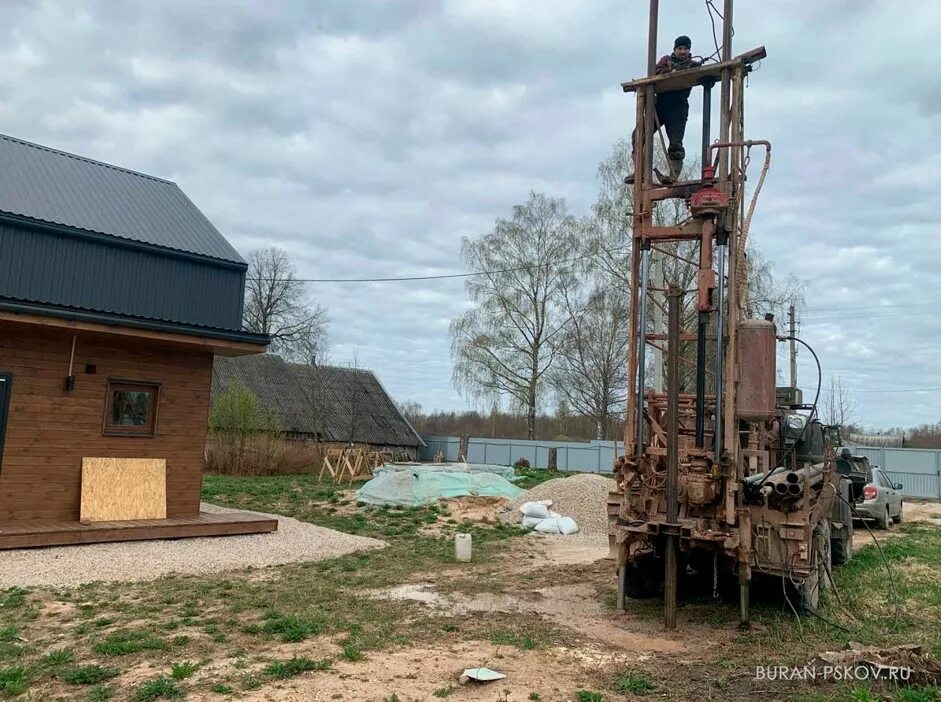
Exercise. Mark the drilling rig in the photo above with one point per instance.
(734, 477)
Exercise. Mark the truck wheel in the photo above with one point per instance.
(898, 519)
(883, 521)
(818, 580)
(643, 577)
(841, 547)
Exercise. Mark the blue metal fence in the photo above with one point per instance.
(919, 470)
(584, 457)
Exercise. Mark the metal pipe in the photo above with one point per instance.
(652, 37)
(729, 144)
(727, 31)
(744, 587)
(720, 348)
(646, 175)
(622, 588)
(706, 120)
(701, 379)
(725, 91)
(674, 297)
(641, 347)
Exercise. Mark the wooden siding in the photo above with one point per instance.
(50, 430)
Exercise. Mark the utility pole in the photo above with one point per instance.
(793, 334)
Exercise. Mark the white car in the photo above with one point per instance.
(882, 500)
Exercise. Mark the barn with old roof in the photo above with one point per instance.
(116, 293)
(327, 404)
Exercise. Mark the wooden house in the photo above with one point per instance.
(116, 293)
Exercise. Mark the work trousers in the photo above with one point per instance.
(672, 114)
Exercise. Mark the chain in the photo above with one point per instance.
(715, 575)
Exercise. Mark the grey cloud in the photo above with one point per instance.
(368, 137)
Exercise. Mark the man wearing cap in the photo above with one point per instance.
(673, 108)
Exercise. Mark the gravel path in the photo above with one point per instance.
(294, 541)
(582, 497)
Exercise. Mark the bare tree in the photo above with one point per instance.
(276, 304)
(839, 407)
(591, 372)
(507, 343)
(767, 294)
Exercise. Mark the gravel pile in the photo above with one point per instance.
(293, 542)
(582, 497)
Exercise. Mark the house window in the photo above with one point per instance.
(131, 408)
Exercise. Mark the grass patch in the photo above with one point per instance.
(127, 641)
(221, 689)
(12, 598)
(100, 693)
(157, 689)
(311, 500)
(444, 691)
(8, 633)
(14, 680)
(919, 694)
(290, 629)
(633, 683)
(87, 674)
(885, 615)
(351, 651)
(530, 477)
(295, 666)
(60, 656)
(588, 696)
(526, 642)
(181, 671)
(251, 681)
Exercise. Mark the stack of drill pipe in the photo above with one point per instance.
(788, 485)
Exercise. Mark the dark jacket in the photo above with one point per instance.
(668, 64)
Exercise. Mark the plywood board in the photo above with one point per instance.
(117, 489)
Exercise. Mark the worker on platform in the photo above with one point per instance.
(672, 110)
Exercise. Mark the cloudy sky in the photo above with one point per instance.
(367, 137)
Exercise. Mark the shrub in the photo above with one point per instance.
(521, 463)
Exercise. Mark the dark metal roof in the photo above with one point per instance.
(53, 186)
(132, 322)
(341, 404)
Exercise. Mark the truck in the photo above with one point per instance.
(724, 477)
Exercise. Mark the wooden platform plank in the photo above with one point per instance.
(36, 533)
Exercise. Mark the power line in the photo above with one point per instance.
(445, 276)
(899, 390)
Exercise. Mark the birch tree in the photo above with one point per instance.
(508, 341)
(591, 371)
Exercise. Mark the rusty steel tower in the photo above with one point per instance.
(697, 486)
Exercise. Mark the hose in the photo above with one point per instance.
(813, 412)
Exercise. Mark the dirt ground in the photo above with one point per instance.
(567, 584)
(539, 609)
(599, 639)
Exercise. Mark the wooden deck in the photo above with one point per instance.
(30, 533)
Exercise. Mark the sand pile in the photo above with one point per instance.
(583, 497)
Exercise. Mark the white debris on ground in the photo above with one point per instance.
(293, 542)
(582, 497)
